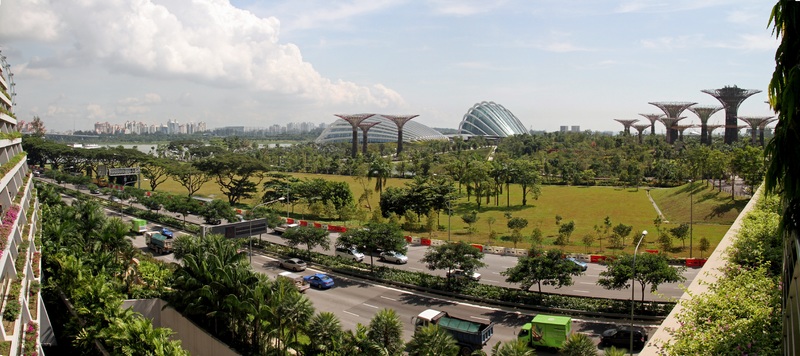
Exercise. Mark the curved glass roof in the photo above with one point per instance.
(490, 119)
(384, 131)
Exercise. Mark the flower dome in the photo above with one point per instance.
(490, 119)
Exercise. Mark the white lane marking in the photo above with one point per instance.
(592, 283)
(479, 318)
(371, 306)
(389, 298)
(489, 280)
(416, 269)
(592, 275)
(581, 291)
(354, 314)
(495, 272)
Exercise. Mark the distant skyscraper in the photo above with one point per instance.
(564, 128)
(576, 128)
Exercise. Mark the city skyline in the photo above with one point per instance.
(256, 64)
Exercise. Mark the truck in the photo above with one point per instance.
(546, 331)
(157, 242)
(138, 226)
(283, 227)
(297, 279)
(470, 335)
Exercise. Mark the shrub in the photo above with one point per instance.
(12, 310)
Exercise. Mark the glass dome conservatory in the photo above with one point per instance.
(490, 119)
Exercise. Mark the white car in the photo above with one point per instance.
(395, 257)
(349, 253)
(457, 273)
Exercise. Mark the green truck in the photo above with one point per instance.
(138, 226)
(470, 335)
(546, 331)
(157, 242)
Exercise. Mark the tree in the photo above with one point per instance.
(651, 269)
(453, 256)
(588, 240)
(374, 237)
(309, 236)
(386, 330)
(380, 169)
(235, 173)
(327, 331)
(704, 246)
(217, 210)
(37, 126)
(621, 231)
(470, 219)
(189, 177)
(527, 176)
(515, 224)
(182, 205)
(542, 267)
(512, 348)
(681, 232)
(536, 236)
(578, 344)
(564, 232)
(156, 171)
(432, 340)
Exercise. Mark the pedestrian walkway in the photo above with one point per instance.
(655, 206)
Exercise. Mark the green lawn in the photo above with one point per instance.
(712, 212)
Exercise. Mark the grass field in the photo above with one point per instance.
(712, 212)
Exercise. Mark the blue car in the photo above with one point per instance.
(319, 280)
(580, 264)
(167, 232)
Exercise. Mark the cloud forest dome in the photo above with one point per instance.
(488, 118)
(384, 131)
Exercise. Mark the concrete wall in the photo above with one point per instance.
(193, 339)
(709, 274)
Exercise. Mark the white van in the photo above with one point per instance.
(349, 253)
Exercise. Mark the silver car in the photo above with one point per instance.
(395, 257)
(294, 264)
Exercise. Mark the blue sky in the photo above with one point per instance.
(259, 63)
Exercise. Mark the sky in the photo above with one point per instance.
(260, 63)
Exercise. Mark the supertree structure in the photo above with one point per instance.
(711, 129)
(400, 120)
(365, 126)
(354, 120)
(754, 122)
(761, 129)
(673, 110)
(670, 124)
(704, 113)
(640, 128)
(627, 124)
(731, 98)
(681, 129)
(653, 118)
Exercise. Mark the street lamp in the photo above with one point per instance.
(633, 281)
(449, 214)
(250, 227)
(691, 215)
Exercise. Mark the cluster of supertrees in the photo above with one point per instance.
(357, 121)
(730, 97)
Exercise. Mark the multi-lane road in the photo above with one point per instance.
(356, 301)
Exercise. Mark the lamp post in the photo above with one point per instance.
(250, 226)
(449, 214)
(691, 215)
(633, 281)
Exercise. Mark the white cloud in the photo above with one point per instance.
(205, 41)
(149, 98)
(671, 43)
(750, 42)
(94, 112)
(658, 6)
(330, 13)
(29, 20)
(464, 7)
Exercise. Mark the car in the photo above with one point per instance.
(392, 256)
(349, 253)
(319, 280)
(116, 200)
(458, 273)
(620, 336)
(580, 264)
(167, 232)
(95, 191)
(294, 264)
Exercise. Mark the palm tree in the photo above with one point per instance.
(386, 330)
(579, 344)
(512, 348)
(431, 340)
(380, 169)
(327, 332)
(358, 343)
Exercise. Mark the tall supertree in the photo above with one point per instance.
(653, 118)
(711, 129)
(627, 124)
(704, 113)
(681, 129)
(763, 127)
(670, 123)
(731, 98)
(640, 128)
(400, 120)
(673, 110)
(754, 122)
(365, 126)
(354, 120)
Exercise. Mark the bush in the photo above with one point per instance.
(12, 310)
